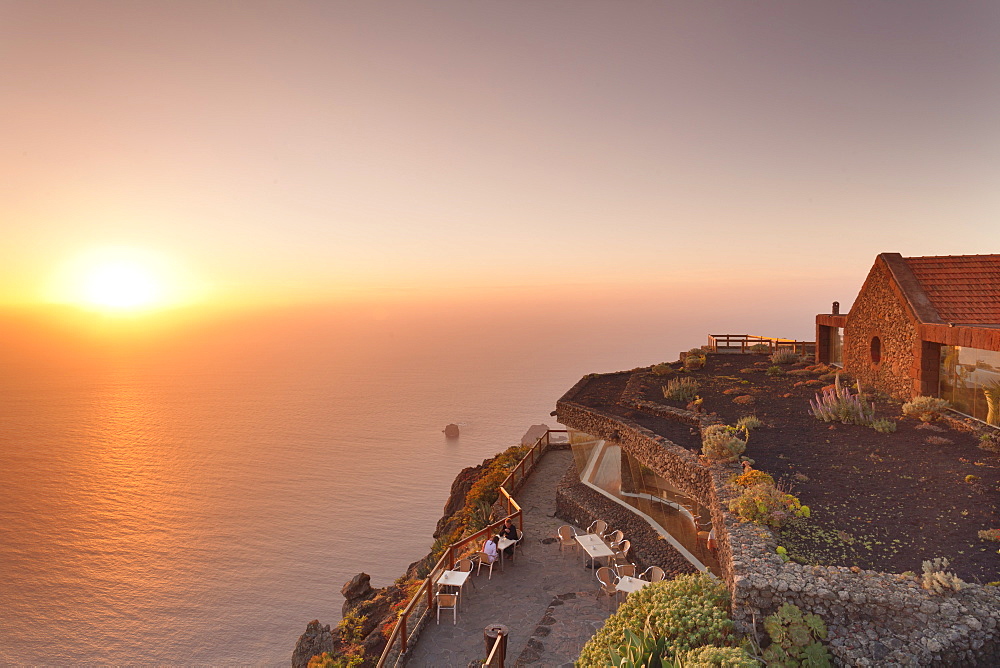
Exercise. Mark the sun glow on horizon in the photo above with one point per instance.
(121, 280)
(122, 285)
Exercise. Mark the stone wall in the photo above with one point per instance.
(880, 311)
(874, 618)
(580, 505)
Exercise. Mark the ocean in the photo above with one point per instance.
(198, 498)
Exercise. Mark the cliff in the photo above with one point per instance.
(369, 614)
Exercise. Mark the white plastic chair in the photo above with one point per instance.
(654, 573)
(614, 538)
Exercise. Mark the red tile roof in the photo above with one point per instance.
(965, 289)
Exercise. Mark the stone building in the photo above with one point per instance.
(923, 326)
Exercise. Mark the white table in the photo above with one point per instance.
(594, 546)
(454, 579)
(503, 545)
(629, 584)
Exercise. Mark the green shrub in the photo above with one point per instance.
(795, 638)
(925, 409)
(749, 422)
(692, 362)
(687, 612)
(784, 356)
(751, 477)
(766, 504)
(722, 443)
(775, 371)
(328, 660)
(884, 425)
(681, 389)
(715, 657)
(989, 443)
(759, 348)
(663, 369)
(990, 534)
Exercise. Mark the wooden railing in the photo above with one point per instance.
(745, 341)
(455, 551)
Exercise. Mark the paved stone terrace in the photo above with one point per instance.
(547, 599)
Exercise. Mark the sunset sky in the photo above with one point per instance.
(322, 151)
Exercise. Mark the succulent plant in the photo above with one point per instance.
(681, 389)
(795, 638)
(837, 404)
(721, 442)
(925, 409)
(937, 580)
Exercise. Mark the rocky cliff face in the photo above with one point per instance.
(375, 606)
(316, 640)
(456, 499)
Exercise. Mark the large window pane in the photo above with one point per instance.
(837, 346)
(969, 378)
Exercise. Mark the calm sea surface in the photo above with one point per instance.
(199, 502)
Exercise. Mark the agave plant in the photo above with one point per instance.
(646, 651)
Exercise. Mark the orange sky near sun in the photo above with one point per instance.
(257, 153)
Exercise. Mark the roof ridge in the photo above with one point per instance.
(913, 290)
(935, 257)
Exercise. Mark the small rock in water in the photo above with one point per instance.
(451, 431)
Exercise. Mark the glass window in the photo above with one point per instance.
(970, 380)
(837, 346)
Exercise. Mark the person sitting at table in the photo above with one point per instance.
(509, 531)
(490, 548)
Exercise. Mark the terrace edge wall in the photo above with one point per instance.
(874, 618)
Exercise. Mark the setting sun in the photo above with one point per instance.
(122, 280)
(122, 285)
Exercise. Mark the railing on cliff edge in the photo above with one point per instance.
(448, 558)
(730, 342)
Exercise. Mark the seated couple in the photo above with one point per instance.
(508, 530)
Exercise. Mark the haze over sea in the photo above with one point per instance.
(196, 497)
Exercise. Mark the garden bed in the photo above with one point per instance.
(880, 501)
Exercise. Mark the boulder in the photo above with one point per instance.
(357, 590)
(316, 640)
(451, 431)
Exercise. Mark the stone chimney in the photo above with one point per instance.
(836, 308)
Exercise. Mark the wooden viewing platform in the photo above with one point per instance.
(741, 343)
